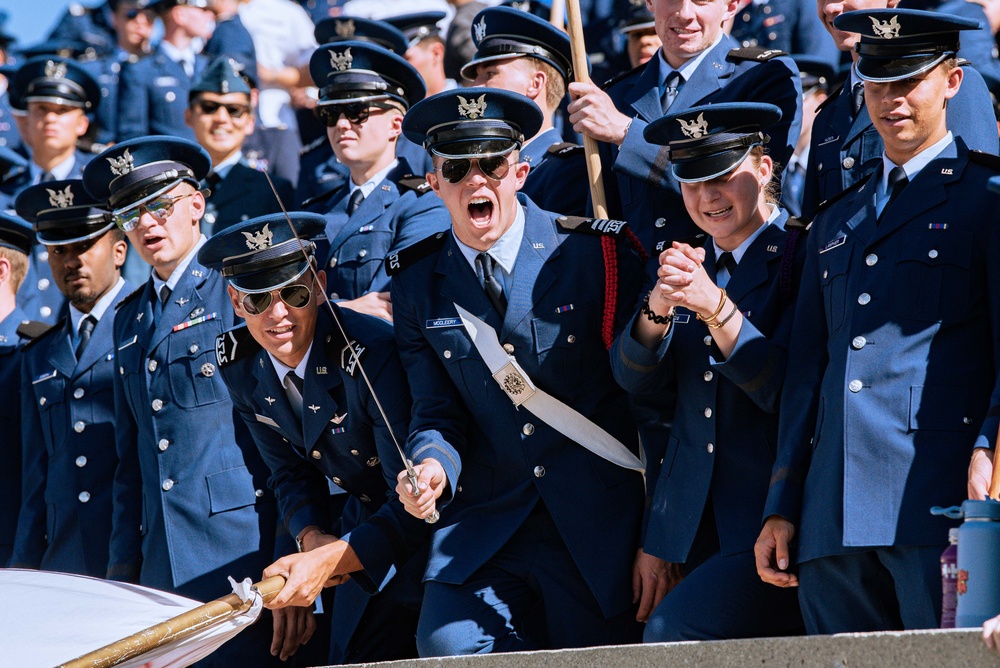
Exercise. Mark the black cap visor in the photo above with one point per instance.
(72, 225)
(470, 139)
(271, 269)
(709, 160)
(885, 70)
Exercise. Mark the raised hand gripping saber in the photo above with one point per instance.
(411, 473)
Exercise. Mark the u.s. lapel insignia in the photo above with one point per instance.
(269, 400)
(538, 246)
(337, 419)
(321, 371)
(314, 409)
(197, 273)
(773, 248)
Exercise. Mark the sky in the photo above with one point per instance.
(31, 20)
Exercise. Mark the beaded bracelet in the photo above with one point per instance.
(655, 317)
(722, 302)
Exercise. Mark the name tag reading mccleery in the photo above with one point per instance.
(514, 382)
(443, 322)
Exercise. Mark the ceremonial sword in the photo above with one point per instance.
(411, 473)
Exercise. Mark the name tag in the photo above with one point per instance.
(443, 322)
(266, 420)
(166, 81)
(45, 376)
(830, 245)
(829, 140)
(681, 318)
(128, 343)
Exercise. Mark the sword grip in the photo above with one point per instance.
(412, 476)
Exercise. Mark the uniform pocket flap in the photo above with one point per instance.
(230, 489)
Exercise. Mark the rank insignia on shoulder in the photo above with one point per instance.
(350, 356)
(33, 329)
(418, 184)
(755, 53)
(234, 345)
(564, 149)
(598, 226)
(400, 260)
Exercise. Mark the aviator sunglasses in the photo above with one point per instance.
(355, 112)
(454, 170)
(210, 108)
(160, 209)
(295, 296)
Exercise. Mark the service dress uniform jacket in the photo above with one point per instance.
(637, 178)
(791, 26)
(342, 438)
(231, 39)
(191, 503)
(9, 136)
(895, 355)
(501, 462)
(243, 194)
(10, 415)
(107, 72)
(391, 218)
(88, 26)
(844, 150)
(152, 96)
(558, 174)
(69, 463)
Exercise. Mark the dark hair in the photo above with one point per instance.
(771, 188)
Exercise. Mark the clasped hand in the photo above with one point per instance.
(683, 281)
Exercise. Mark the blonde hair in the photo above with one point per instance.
(18, 266)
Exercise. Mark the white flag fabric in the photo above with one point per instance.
(50, 618)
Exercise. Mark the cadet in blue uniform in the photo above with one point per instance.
(221, 116)
(893, 349)
(92, 26)
(16, 240)
(520, 52)
(425, 47)
(326, 427)
(817, 78)
(734, 293)
(231, 39)
(57, 94)
(9, 136)
(153, 92)
(639, 29)
(364, 92)
(698, 64)
(791, 26)
(67, 402)
(191, 503)
(845, 147)
(514, 564)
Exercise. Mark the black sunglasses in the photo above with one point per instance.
(210, 108)
(355, 112)
(295, 296)
(454, 170)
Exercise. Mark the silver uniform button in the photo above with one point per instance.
(167, 485)
(355, 453)
(708, 412)
(42, 401)
(859, 342)
(46, 311)
(333, 262)
(78, 393)
(365, 498)
(193, 349)
(848, 162)
(316, 454)
(362, 253)
(84, 497)
(163, 444)
(855, 386)
(43, 283)
(151, 365)
(571, 338)
(337, 481)
(528, 429)
(708, 376)
(508, 348)
(932, 254)
(258, 493)
(660, 222)
(864, 298)
(710, 448)
(43, 256)
(79, 426)
(157, 404)
(708, 340)
(966, 420)
(447, 354)
(170, 96)
(871, 260)
(539, 471)
(334, 296)
(81, 461)
(825, 273)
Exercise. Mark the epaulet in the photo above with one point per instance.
(564, 149)
(417, 184)
(400, 260)
(621, 75)
(696, 241)
(233, 345)
(130, 296)
(313, 145)
(830, 96)
(33, 330)
(755, 53)
(318, 198)
(794, 223)
(990, 160)
(598, 226)
(827, 203)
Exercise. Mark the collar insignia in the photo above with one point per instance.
(314, 408)
(269, 400)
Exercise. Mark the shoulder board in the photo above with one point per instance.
(313, 145)
(564, 149)
(696, 241)
(754, 53)
(622, 75)
(400, 260)
(132, 295)
(988, 159)
(794, 223)
(830, 96)
(417, 184)
(827, 203)
(318, 198)
(598, 226)
(233, 345)
(33, 330)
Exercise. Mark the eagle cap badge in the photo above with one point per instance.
(345, 29)
(886, 29)
(472, 110)
(480, 29)
(61, 199)
(122, 164)
(54, 70)
(341, 61)
(260, 240)
(695, 129)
